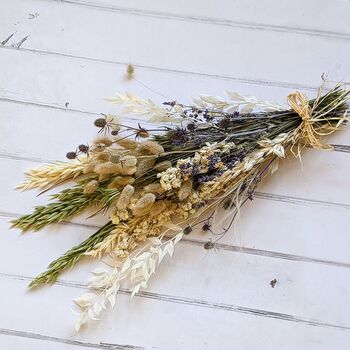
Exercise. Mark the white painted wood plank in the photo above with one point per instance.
(20, 340)
(282, 59)
(297, 16)
(98, 80)
(241, 279)
(213, 328)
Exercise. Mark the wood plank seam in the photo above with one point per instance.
(42, 337)
(197, 303)
(242, 80)
(208, 20)
(221, 246)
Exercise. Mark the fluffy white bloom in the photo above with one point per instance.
(170, 179)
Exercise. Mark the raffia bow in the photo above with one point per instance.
(308, 132)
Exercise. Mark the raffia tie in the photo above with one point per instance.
(306, 134)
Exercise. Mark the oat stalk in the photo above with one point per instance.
(71, 257)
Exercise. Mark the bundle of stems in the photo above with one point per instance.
(157, 182)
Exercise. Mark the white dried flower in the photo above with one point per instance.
(170, 179)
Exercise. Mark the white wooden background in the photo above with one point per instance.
(296, 230)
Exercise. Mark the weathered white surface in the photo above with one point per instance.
(296, 230)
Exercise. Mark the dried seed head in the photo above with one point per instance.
(157, 208)
(103, 156)
(185, 190)
(142, 132)
(121, 181)
(125, 196)
(162, 166)
(155, 188)
(187, 230)
(103, 141)
(127, 143)
(107, 168)
(83, 148)
(128, 161)
(103, 177)
(100, 122)
(114, 158)
(129, 71)
(90, 166)
(128, 170)
(144, 165)
(144, 204)
(71, 155)
(191, 126)
(206, 226)
(208, 245)
(227, 204)
(91, 187)
(151, 147)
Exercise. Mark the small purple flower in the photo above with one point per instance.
(214, 159)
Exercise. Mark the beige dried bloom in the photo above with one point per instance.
(144, 165)
(170, 179)
(144, 204)
(127, 143)
(185, 190)
(121, 181)
(155, 188)
(107, 168)
(90, 166)
(128, 170)
(125, 196)
(162, 166)
(151, 147)
(157, 208)
(90, 187)
(104, 141)
(129, 161)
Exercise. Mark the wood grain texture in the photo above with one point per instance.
(63, 58)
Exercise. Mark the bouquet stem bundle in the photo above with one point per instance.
(208, 155)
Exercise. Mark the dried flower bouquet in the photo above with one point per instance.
(154, 184)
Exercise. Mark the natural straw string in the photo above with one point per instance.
(306, 133)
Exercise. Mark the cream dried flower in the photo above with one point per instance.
(170, 179)
(91, 187)
(144, 204)
(121, 181)
(151, 147)
(125, 196)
